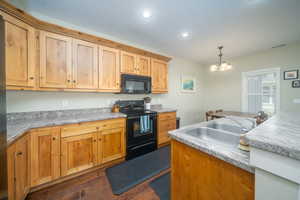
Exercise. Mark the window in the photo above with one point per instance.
(261, 91)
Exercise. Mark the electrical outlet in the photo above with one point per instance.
(65, 103)
(296, 101)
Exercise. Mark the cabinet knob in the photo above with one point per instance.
(19, 153)
(31, 78)
(74, 81)
(54, 138)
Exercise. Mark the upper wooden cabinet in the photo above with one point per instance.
(135, 64)
(20, 52)
(143, 65)
(18, 162)
(109, 69)
(128, 63)
(45, 155)
(55, 60)
(159, 75)
(85, 65)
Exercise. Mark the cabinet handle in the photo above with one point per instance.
(19, 153)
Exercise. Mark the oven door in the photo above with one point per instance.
(141, 129)
(132, 84)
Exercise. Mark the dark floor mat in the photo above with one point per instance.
(161, 186)
(126, 175)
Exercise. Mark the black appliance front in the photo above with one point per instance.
(141, 135)
(133, 84)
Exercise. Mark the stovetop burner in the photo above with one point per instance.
(133, 108)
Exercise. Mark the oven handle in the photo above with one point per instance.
(137, 117)
(142, 145)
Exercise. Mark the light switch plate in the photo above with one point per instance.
(296, 101)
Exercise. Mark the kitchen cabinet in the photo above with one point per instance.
(55, 60)
(20, 52)
(18, 163)
(113, 144)
(159, 75)
(166, 122)
(128, 63)
(45, 155)
(79, 152)
(109, 69)
(135, 64)
(143, 65)
(197, 175)
(85, 65)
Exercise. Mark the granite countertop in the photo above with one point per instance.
(19, 123)
(280, 134)
(235, 157)
(162, 110)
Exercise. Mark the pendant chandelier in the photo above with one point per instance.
(222, 65)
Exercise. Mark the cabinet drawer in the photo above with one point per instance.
(111, 124)
(167, 125)
(166, 116)
(79, 129)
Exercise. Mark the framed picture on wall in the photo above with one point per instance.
(291, 74)
(296, 84)
(188, 84)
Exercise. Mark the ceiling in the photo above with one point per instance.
(242, 26)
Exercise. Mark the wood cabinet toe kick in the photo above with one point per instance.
(48, 155)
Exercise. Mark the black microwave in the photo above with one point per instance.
(134, 84)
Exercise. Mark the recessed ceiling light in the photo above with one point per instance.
(147, 14)
(185, 34)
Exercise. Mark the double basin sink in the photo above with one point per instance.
(217, 133)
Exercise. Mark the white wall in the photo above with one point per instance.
(224, 89)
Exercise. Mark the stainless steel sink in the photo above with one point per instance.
(226, 127)
(215, 136)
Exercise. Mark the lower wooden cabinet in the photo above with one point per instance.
(113, 144)
(18, 159)
(166, 122)
(196, 175)
(78, 153)
(45, 155)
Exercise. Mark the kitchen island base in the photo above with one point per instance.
(196, 175)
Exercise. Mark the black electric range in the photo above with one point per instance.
(141, 128)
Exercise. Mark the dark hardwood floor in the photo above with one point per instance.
(94, 186)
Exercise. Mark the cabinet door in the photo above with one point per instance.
(113, 144)
(45, 155)
(18, 169)
(128, 63)
(85, 65)
(19, 53)
(143, 66)
(164, 127)
(109, 69)
(78, 153)
(159, 74)
(55, 60)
